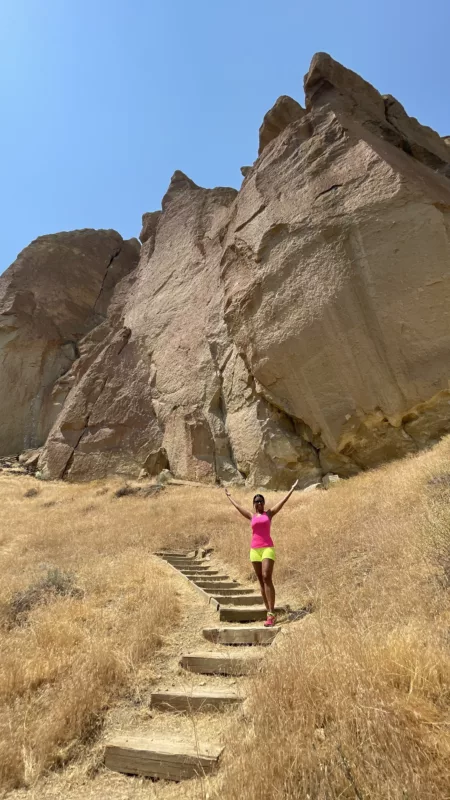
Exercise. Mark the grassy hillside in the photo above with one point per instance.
(354, 703)
(82, 615)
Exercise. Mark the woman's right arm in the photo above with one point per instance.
(241, 510)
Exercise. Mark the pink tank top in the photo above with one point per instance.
(261, 531)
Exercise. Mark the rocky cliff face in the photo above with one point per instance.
(57, 290)
(296, 327)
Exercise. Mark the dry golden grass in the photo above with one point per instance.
(68, 659)
(354, 702)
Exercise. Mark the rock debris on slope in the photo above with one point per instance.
(297, 327)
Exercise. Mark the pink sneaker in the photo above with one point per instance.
(270, 621)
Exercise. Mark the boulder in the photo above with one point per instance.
(29, 459)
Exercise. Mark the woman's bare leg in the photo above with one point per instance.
(257, 566)
(269, 588)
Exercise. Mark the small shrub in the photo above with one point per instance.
(294, 616)
(165, 476)
(139, 491)
(440, 480)
(55, 583)
(40, 476)
(150, 491)
(31, 493)
(87, 509)
(124, 491)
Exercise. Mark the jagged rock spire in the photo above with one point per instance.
(178, 183)
(283, 113)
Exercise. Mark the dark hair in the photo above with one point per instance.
(257, 497)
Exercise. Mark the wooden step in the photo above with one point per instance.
(198, 571)
(182, 562)
(167, 759)
(238, 599)
(200, 576)
(244, 635)
(196, 700)
(236, 590)
(179, 556)
(210, 663)
(243, 614)
(211, 586)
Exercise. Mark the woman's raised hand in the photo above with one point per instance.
(294, 485)
(227, 493)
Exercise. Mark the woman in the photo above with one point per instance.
(262, 552)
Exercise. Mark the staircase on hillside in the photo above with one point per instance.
(172, 759)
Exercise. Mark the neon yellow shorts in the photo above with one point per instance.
(260, 553)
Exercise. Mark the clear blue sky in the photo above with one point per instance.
(101, 100)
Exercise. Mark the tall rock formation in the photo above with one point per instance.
(336, 273)
(57, 290)
(297, 326)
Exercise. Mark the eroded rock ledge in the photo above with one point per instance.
(296, 327)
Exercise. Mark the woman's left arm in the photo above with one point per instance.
(279, 506)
